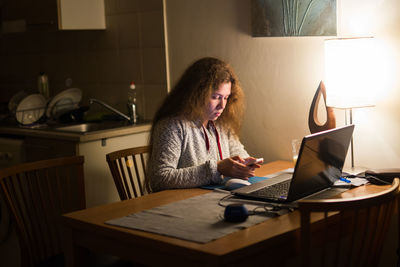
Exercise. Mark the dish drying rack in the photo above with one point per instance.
(32, 115)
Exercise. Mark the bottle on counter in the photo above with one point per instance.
(132, 105)
(132, 93)
(43, 85)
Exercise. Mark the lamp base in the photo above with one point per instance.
(355, 170)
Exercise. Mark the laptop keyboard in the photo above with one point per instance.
(273, 191)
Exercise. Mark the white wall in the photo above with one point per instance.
(280, 74)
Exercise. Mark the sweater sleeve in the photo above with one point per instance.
(236, 148)
(170, 167)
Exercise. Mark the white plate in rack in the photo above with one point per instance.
(30, 109)
(65, 101)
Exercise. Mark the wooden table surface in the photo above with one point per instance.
(86, 229)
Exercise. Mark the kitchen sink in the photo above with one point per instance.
(92, 126)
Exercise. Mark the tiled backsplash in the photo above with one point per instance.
(102, 63)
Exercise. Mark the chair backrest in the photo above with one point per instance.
(346, 232)
(128, 169)
(37, 194)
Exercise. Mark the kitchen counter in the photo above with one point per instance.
(51, 133)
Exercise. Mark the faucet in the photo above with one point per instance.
(131, 119)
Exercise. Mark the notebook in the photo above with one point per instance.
(319, 165)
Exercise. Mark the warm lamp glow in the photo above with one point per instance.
(351, 80)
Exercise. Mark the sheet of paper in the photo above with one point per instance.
(353, 182)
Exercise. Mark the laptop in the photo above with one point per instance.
(319, 165)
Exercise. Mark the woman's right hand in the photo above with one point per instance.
(234, 167)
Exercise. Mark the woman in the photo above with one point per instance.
(195, 132)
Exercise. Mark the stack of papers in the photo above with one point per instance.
(348, 182)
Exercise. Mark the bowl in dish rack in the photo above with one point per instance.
(30, 109)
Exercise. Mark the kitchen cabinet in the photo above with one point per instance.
(81, 15)
(42, 15)
(11, 152)
(39, 148)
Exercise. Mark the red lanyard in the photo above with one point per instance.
(216, 136)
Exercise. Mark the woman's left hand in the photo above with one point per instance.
(252, 162)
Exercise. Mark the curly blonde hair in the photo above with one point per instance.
(194, 89)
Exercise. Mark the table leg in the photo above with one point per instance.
(73, 254)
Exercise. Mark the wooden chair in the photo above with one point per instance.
(353, 235)
(37, 194)
(128, 167)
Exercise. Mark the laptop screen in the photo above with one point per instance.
(320, 162)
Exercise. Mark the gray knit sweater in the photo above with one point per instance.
(180, 158)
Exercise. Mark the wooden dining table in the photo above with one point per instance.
(272, 242)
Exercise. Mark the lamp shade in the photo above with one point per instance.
(349, 72)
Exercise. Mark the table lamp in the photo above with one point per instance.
(349, 71)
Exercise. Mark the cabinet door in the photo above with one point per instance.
(99, 183)
(43, 148)
(81, 15)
